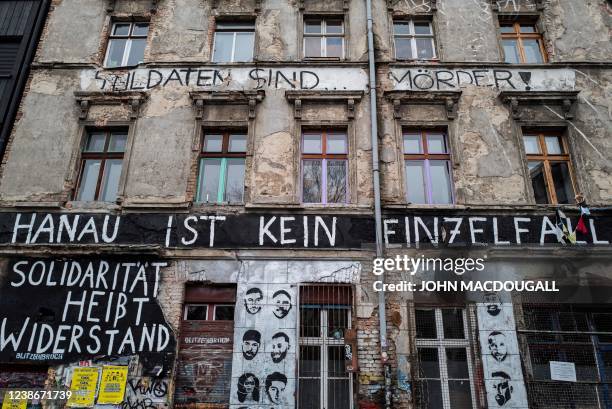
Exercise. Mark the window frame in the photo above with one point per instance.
(103, 157)
(224, 155)
(519, 36)
(323, 36)
(128, 45)
(234, 31)
(546, 159)
(412, 36)
(211, 309)
(324, 157)
(426, 157)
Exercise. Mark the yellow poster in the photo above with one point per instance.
(83, 386)
(112, 386)
(10, 401)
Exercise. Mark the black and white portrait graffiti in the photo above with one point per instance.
(248, 388)
(503, 389)
(252, 300)
(493, 303)
(497, 346)
(275, 386)
(280, 346)
(251, 340)
(282, 303)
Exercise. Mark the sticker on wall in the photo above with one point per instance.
(12, 401)
(83, 387)
(112, 385)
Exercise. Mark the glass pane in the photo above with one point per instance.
(563, 182)
(536, 173)
(116, 48)
(460, 395)
(196, 312)
(237, 143)
(426, 324)
(511, 53)
(335, 361)
(110, 182)
(553, 145)
(310, 322)
(334, 47)
(95, 142)
(117, 142)
(436, 143)
(224, 312)
(336, 181)
(336, 143)
(432, 394)
(533, 53)
(223, 47)
(89, 180)
(337, 322)
(121, 29)
(415, 182)
(528, 28)
(428, 363)
(312, 47)
(213, 143)
(140, 29)
(425, 49)
(338, 396)
(422, 28)
(210, 170)
(137, 51)
(310, 361)
(311, 181)
(309, 391)
(456, 361)
(452, 321)
(244, 46)
(312, 27)
(312, 143)
(439, 171)
(334, 27)
(506, 28)
(403, 49)
(413, 143)
(401, 27)
(234, 185)
(531, 144)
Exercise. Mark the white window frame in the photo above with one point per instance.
(323, 34)
(412, 37)
(235, 32)
(323, 341)
(441, 344)
(128, 44)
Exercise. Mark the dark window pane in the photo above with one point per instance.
(89, 180)
(110, 180)
(431, 392)
(336, 181)
(439, 171)
(140, 29)
(403, 48)
(224, 312)
(338, 396)
(310, 322)
(196, 312)
(137, 51)
(234, 185)
(452, 320)
(337, 321)
(310, 390)
(456, 361)
(536, 173)
(533, 53)
(606, 360)
(460, 394)
(425, 324)
(335, 361)
(121, 29)
(563, 182)
(116, 49)
(310, 361)
(311, 181)
(428, 363)
(511, 53)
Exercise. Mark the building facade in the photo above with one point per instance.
(188, 198)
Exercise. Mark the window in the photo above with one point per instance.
(222, 161)
(444, 359)
(323, 38)
(413, 40)
(209, 312)
(325, 315)
(522, 43)
(234, 41)
(428, 169)
(549, 166)
(324, 167)
(577, 334)
(126, 44)
(101, 164)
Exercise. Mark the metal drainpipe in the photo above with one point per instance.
(377, 207)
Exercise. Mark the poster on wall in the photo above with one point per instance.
(83, 387)
(11, 402)
(112, 385)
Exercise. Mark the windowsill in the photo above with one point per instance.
(411, 61)
(484, 207)
(77, 205)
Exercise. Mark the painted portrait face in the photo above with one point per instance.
(250, 344)
(275, 390)
(503, 389)
(282, 304)
(497, 346)
(494, 309)
(249, 384)
(252, 300)
(280, 346)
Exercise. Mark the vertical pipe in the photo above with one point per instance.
(377, 206)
